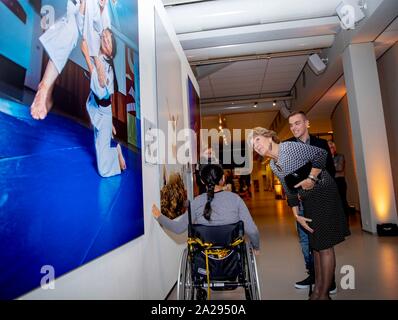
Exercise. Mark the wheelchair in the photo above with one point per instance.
(217, 258)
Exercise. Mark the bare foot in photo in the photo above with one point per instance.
(38, 109)
(43, 99)
(42, 103)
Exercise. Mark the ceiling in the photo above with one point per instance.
(250, 51)
(244, 52)
(326, 105)
(253, 78)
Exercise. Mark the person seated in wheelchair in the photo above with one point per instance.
(214, 208)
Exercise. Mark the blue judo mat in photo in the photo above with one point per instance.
(55, 209)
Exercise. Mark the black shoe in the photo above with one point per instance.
(306, 283)
(333, 288)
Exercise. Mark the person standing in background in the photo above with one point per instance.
(339, 164)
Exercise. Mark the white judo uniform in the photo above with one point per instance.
(101, 119)
(61, 38)
(94, 23)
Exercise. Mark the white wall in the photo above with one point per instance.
(145, 268)
(343, 139)
(388, 77)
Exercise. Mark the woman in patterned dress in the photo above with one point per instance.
(324, 217)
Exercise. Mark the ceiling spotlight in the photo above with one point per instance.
(274, 103)
(255, 105)
(317, 64)
(350, 12)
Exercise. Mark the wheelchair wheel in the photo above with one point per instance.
(185, 290)
(252, 291)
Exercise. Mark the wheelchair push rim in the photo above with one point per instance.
(185, 290)
(252, 290)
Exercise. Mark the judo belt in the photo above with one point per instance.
(102, 102)
(220, 253)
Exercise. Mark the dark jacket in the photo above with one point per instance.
(323, 144)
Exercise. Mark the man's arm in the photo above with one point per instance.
(95, 84)
(92, 39)
(101, 72)
(329, 160)
(82, 8)
(86, 55)
(322, 143)
(340, 164)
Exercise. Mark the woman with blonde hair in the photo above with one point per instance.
(324, 217)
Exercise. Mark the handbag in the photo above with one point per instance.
(297, 176)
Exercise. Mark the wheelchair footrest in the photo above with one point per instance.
(222, 285)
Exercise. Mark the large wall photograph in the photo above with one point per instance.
(70, 137)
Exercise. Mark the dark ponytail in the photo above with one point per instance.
(211, 175)
(210, 197)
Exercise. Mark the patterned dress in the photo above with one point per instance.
(322, 203)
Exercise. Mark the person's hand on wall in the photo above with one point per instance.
(155, 211)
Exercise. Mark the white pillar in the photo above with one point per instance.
(372, 157)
